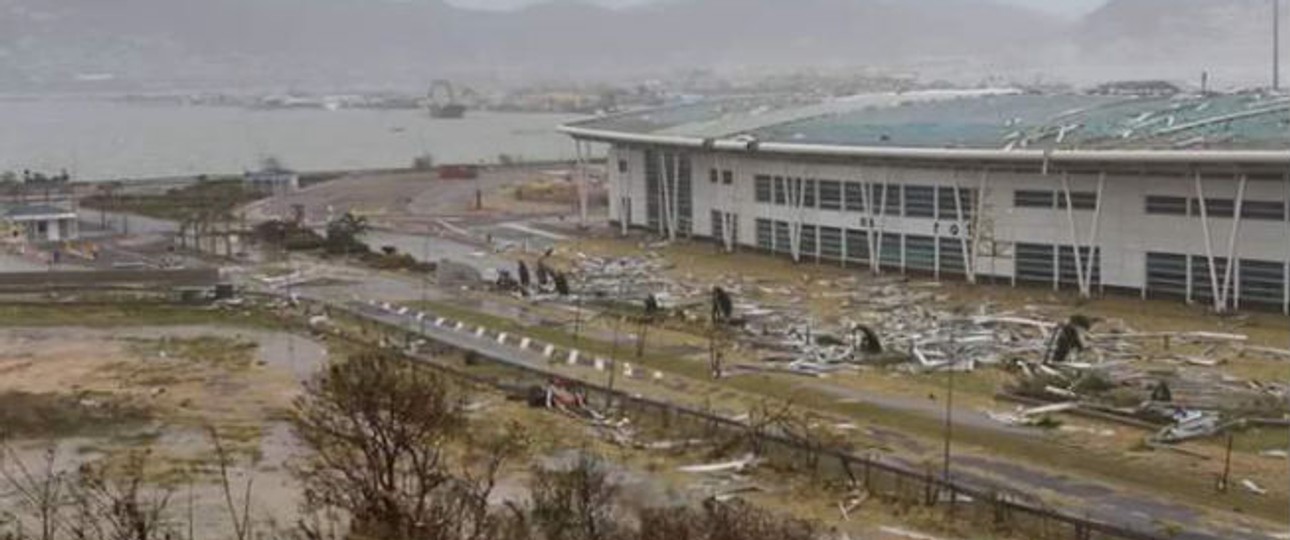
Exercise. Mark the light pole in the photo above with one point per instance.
(949, 422)
(425, 258)
(613, 350)
(949, 404)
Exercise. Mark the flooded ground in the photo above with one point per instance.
(190, 380)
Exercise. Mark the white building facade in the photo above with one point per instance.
(1094, 221)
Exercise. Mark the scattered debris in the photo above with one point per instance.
(1191, 424)
(1252, 487)
(1275, 454)
(738, 465)
(894, 531)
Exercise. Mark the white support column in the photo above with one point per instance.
(796, 193)
(965, 231)
(624, 199)
(1285, 272)
(676, 195)
(879, 226)
(662, 193)
(665, 220)
(582, 182)
(977, 219)
(1209, 243)
(729, 220)
(1074, 235)
(1233, 251)
(866, 201)
(1191, 281)
(1094, 250)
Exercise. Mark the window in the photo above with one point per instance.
(1067, 271)
(1169, 206)
(808, 241)
(783, 242)
(727, 177)
(1080, 200)
(831, 243)
(857, 244)
(765, 235)
(1262, 282)
(762, 188)
(781, 191)
(892, 203)
(920, 201)
(892, 255)
(1033, 199)
(808, 195)
(1267, 210)
(948, 208)
(920, 253)
(1035, 263)
(1202, 288)
(713, 175)
(622, 166)
(830, 195)
(952, 256)
(1167, 275)
(855, 196)
(1224, 208)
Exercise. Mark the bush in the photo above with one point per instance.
(423, 162)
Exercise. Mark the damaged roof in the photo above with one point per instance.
(998, 119)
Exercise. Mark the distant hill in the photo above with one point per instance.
(202, 42)
(380, 43)
(1177, 37)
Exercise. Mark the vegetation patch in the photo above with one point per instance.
(24, 414)
(209, 351)
(178, 204)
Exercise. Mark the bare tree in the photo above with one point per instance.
(379, 430)
(733, 520)
(41, 492)
(117, 503)
(578, 503)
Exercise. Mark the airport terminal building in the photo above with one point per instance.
(1184, 196)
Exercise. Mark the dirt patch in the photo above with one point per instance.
(49, 415)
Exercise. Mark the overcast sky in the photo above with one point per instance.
(1062, 7)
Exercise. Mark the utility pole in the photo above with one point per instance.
(613, 351)
(949, 404)
(425, 276)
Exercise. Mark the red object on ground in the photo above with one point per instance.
(457, 172)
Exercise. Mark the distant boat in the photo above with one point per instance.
(443, 101)
(451, 111)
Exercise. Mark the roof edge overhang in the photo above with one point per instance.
(1278, 158)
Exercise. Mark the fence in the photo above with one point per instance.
(1005, 513)
(109, 279)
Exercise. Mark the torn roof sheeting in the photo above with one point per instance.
(999, 119)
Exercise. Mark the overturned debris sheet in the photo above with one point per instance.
(738, 465)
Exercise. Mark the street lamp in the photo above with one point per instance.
(425, 257)
(955, 358)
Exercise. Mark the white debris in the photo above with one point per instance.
(737, 465)
(1250, 486)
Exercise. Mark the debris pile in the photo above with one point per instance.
(819, 327)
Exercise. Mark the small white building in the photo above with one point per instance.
(273, 180)
(42, 223)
